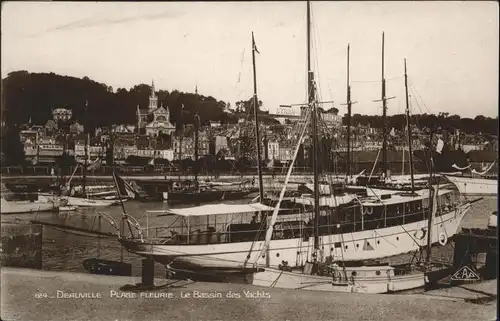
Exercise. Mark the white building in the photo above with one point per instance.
(160, 117)
(273, 149)
(286, 154)
(220, 143)
(146, 153)
(165, 154)
(62, 114)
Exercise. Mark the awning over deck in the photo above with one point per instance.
(215, 209)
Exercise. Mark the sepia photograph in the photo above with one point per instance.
(249, 160)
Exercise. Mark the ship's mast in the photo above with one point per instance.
(348, 118)
(349, 113)
(384, 116)
(384, 100)
(197, 128)
(409, 131)
(180, 141)
(85, 161)
(312, 106)
(256, 116)
(431, 201)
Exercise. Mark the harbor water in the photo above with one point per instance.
(64, 250)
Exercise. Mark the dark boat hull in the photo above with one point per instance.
(205, 196)
(107, 267)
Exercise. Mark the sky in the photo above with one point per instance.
(451, 49)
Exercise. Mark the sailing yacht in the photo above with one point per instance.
(86, 195)
(232, 238)
(475, 183)
(42, 204)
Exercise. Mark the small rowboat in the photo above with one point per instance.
(67, 208)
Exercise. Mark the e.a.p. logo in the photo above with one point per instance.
(465, 274)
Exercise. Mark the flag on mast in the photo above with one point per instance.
(439, 146)
(254, 46)
(124, 189)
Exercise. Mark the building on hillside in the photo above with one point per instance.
(29, 136)
(468, 147)
(48, 150)
(51, 126)
(123, 128)
(127, 138)
(29, 139)
(145, 152)
(187, 150)
(145, 146)
(154, 119)
(215, 124)
(31, 154)
(331, 119)
(273, 149)
(122, 151)
(95, 149)
(220, 143)
(285, 153)
(61, 114)
(288, 113)
(76, 128)
(203, 144)
(167, 154)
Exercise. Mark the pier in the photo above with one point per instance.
(21, 245)
(476, 249)
(106, 298)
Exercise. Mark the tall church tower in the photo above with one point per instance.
(153, 99)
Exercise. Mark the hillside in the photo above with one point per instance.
(33, 95)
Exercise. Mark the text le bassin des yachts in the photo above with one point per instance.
(155, 295)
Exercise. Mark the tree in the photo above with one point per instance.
(65, 161)
(33, 95)
(12, 147)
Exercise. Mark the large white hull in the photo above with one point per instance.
(355, 246)
(16, 207)
(88, 202)
(276, 278)
(475, 186)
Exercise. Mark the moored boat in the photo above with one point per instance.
(474, 185)
(89, 202)
(41, 205)
(354, 229)
(371, 230)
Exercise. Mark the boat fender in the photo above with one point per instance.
(420, 234)
(443, 239)
(367, 210)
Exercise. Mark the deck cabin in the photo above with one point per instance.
(231, 223)
(212, 223)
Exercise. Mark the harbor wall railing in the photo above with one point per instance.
(394, 167)
(21, 245)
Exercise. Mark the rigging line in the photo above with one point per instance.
(375, 81)
(316, 43)
(413, 239)
(80, 234)
(241, 65)
(269, 230)
(274, 202)
(414, 90)
(418, 104)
